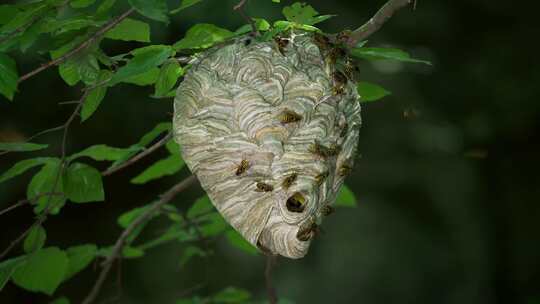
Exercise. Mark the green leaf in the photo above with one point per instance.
(8, 267)
(44, 182)
(189, 253)
(163, 167)
(62, 300)
(238, 241)
(231, 295)
(126, 218)
(143, 59)
(83, 184)
(35, 239)
(153, 9)
(23, 166)
(201, 206)
(345, 197)
(202, 35)
(81, 3)
(21, 146)
(22, 18)
(147, 78)
(105, 6)
(88, 69)
(371, 92)
(173, 147)
(69, 71)
(185, 4)
(96, 95)
(276, 1)
(260, 24)
(132, 252)
(145, 140)
(385, 53)
(101, 153)
(303, 13)
(79, 258)
(130, 30)
(168, 76)
(214, 225)
(8, 76)
(7, 12)
(43, 271)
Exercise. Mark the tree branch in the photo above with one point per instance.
(139, 156)
(122, 240)
(377, 21)
(270, 290)
(81, 47)
(240, 9)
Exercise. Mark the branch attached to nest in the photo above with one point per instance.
(377, 21)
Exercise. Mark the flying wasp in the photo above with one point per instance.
(242, 168)
(262, 187)
(288, 116)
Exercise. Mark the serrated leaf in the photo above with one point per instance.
(8, 76)
(189, 253)
(201, 206)
(79, 257)
(202, 35)
(147, 78)
(130, 30)
(231, 295)
(35, 239)
(21, 146)
(43, 271)
(8, 267)
(303, 13)
(185, 4)
(153, 9)
(238, 241)
(167, 78)
(81, 3)
(163, 167)
(143, 59)
(345, 197)
(371, 92)
(83, 184)
(24, 165)
(101, 153)
(385, 53)
(44, 182)
(96, 95)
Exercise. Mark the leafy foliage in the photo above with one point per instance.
(22, 147)
(371, 92)
(345, 197)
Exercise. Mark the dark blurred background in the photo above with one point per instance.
(447, 184)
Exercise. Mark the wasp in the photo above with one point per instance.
(319, 179)
(296, 203)
(339, 82)
(344, 36)
(344, 170)
(242, 168)
(351, 70)
(288, 116)
(282, 44)
(262, 187)
(323, 151)
(307, 231)
(327, 210)
(335, 53)
(289, 180)
(321, 41)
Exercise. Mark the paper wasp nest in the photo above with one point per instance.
(270, 129)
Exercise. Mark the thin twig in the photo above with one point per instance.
(28, 201)
(240, 9)
(122, 240)
(270, 290)
(377, 21)
(79, 48)
(139, 156)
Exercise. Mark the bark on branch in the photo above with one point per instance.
(377, 21)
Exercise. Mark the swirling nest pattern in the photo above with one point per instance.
(235, 122)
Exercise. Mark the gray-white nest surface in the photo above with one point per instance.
(270, 129)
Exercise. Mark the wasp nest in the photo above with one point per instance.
(270, 129)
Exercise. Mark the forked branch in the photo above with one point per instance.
(377, 21)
